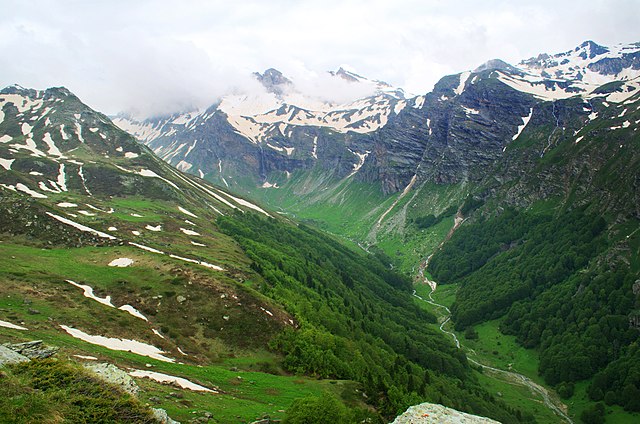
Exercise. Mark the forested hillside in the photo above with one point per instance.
(546, 274)
(357, 321)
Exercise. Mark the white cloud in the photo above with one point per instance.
(155, 56)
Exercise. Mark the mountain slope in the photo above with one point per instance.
(448, 139)
(539, 161)
(113, 254)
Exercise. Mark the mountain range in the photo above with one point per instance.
(513, 189)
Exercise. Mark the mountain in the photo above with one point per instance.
(277, 131)
(367, 156)
(517, 185)
(213, 304)
(280, 133)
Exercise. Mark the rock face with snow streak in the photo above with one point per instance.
(280, 131)
(451, 135)
(427, 413)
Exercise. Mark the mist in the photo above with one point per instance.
(150, 58)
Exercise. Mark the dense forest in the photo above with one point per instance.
(358, 321)
(542, 273)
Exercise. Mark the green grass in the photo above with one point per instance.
(613, 415)
(501, 351)
(495, 349)
(492, 347)
(247, 398)
(409, 249)
(51, 391)
(520, 397)
(27, 284)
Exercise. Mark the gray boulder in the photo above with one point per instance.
(161, 416)
(33, 350)
(114, 375)
(8, 356)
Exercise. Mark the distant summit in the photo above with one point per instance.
(273, 80)
(495, 64)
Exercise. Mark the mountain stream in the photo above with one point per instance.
(513, 377)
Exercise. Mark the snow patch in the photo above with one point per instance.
(23, 188)
(189, 232)
(470, 111)
(131, 155)
(244, 203)
(361, 158)
(112, 343)
(64, 135)
(79, 132)
(26, 129)
(6, 163)
(62, 178)
(10, 325)
(184, 166)
(464, 76)
(84, 182)
(88, 292)
(314, 152)
(186, 212)
(88, 358)
(121, 262)
(53, 149)
(80, 226)
(150, 174)
(399, 106)
(133, 311)
(147, 248)
(152, 228)
(525, 121)
(166, 378)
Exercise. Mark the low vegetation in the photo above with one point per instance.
(54, 391)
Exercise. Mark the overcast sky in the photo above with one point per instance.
(155, 56)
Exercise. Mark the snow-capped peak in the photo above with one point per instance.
(576, 72)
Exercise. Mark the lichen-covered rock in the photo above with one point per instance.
(8, 356)
(33, 350)
(114, 375)
(434, 413)
(161, 416)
